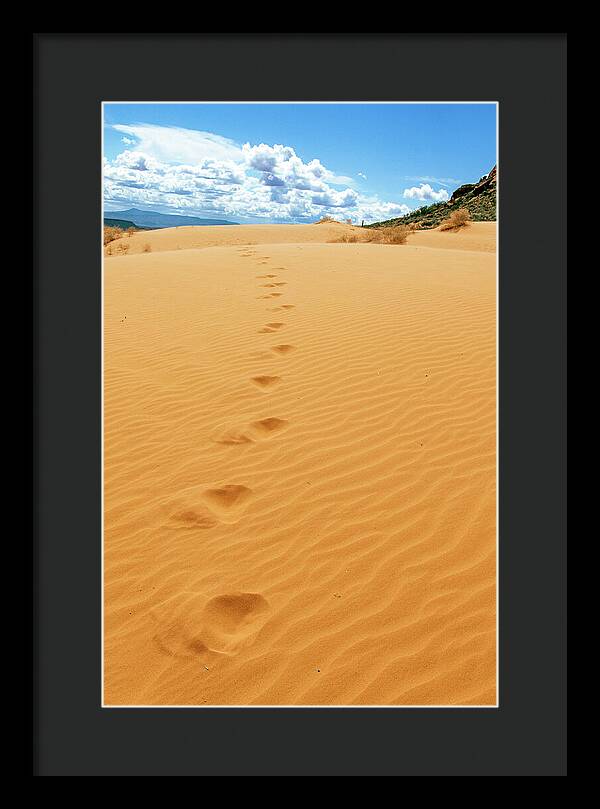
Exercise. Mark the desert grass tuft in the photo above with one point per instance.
(395, 235)
(392, 235)
(457, 219)
(110, 234)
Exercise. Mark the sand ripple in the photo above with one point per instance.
(300, 507)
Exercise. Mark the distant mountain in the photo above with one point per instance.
(123, 224)
(478, 198)
(152, 219)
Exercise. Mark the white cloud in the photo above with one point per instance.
(425, 192)
(128, 141)
(136, 160)
(173, 144)
(375, 210)
(206, 174)
(283, 163)
(336, 199)
(360, 174)
(266, 158)
(447, 181)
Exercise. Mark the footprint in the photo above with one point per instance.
(265, 381)
(203, 631)
(256, 431)
(234, 438)
(232, 621)
(227, 501)
(270, 327)
(194, 518)
(268, 286)
(280, 283)
(268, 426)
(179, 639)
(270, 275)
(229, 613)
(228, 497)
(269, 295)
(285, 348)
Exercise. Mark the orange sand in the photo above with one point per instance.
(300, 468)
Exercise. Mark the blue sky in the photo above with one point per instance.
(292, 162)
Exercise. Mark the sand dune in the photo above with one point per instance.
(248, 236)
(480, 236)
(300, 479)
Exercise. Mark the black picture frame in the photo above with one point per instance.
(71, 75)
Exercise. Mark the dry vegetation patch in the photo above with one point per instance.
(115, 245)
(392, 235)
(110, 234)
(396, 235)
(457, 219)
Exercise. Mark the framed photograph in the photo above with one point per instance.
(299, 405)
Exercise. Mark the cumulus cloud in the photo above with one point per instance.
(266, 158)
(206, 174)
(283, 162)
(136, 160)
(128, 141)
(374, 210)
(272, 180)
(425, 192)
(360, 174)
(336, 199)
